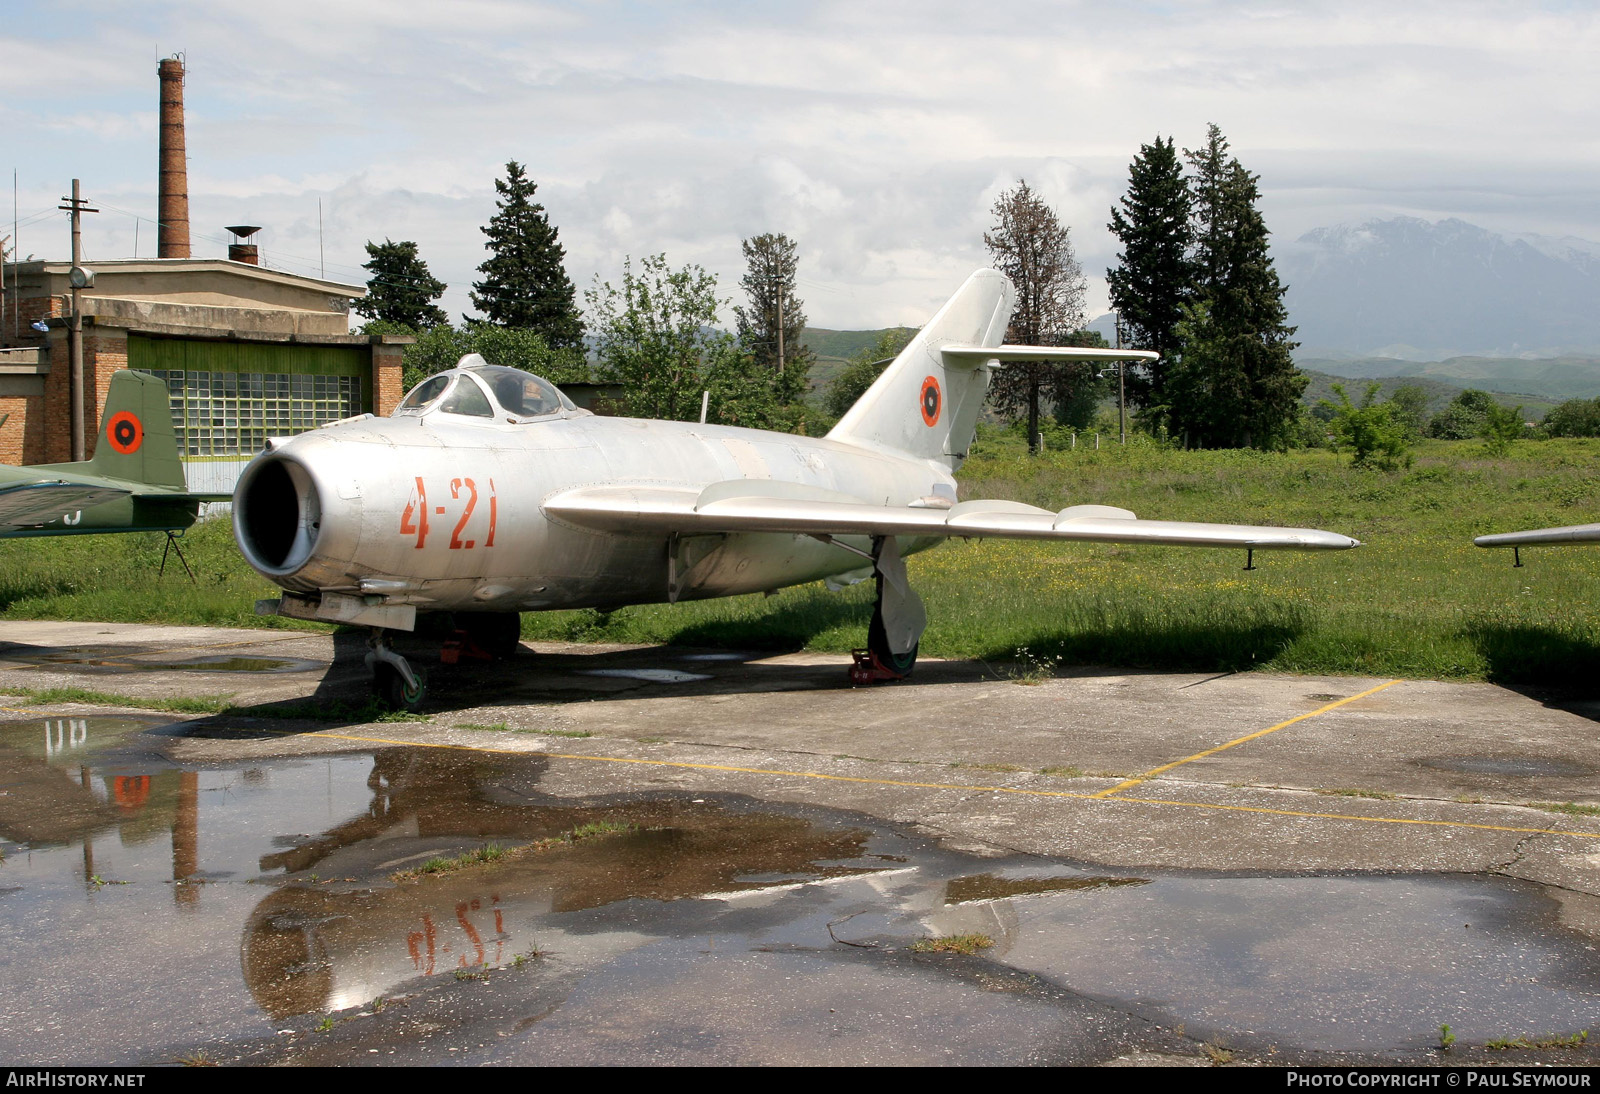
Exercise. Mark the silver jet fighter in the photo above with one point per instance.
(487, 493)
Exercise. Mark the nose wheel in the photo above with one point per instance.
(395, 683)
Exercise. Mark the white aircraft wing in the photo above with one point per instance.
(30, 504)
(768, 506)
(977, 355)
(1573, 533)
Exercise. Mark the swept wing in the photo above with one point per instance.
(1572, 533)
(759, 506)
(28, 505)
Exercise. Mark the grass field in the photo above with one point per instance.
(1418, 600)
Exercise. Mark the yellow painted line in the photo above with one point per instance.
(1136, 780)
(1021, 792)
(963, 787)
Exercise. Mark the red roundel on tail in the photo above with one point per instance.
(125, 432)
(932, 400)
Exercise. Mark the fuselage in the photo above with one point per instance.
(445, 511)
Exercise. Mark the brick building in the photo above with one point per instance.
(247, 353)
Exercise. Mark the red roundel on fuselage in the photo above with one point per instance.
(932, 400)
(125, 432)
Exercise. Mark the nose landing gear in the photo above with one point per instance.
(395, 683)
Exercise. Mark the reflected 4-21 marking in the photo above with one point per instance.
(416, 520)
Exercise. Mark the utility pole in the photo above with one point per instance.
(782, 292)
(1122, 387)
(76, 206)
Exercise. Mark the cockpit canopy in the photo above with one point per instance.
(477, 389)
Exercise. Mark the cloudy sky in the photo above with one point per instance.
(877, 135)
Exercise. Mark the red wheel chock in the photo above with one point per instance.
(869, 670)
(461, 646)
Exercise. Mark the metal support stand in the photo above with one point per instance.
(1516, 558)
(172, 545)
(1249, 558)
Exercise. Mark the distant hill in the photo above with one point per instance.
(1439, 393)
(1406, 288)
(834, 348)
(1554, 379)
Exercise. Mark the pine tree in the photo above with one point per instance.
(1156, 277)
(400, 290)
(525, 284)
(1234, 383)
(1033, 248)
(770, 330)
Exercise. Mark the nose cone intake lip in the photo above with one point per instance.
(277, 515)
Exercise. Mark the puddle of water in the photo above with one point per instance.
(1525, 766)
(711, 657)
(1341, 963)
(217, 905)
(654, 676)
(967, 890)
(213, 663)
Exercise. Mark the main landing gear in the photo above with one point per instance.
(898, 620)
(396, 684)
(483, 636)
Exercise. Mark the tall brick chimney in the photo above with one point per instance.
(172, 206)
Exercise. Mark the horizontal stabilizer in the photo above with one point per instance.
(28, 505)
(647, 510)
(969, 356)
(1573, 533)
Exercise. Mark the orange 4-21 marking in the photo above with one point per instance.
(414, 519)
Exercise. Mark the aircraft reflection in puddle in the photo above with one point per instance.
(676, 867)
(314, 946)
(71, 780)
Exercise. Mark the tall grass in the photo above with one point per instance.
(1418, 600)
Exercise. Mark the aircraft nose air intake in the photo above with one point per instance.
(277, 516)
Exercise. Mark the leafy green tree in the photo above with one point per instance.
(400, 289)
(1463, 418)
(1574, 418)
(771, 328)
(1375, 433)
(525, 283)
(657, 338)
(1155, 276)
(1234, 383)
(1080, 387)
(853, 380)
(1411, 407)
(1033, 248)
(1501, 426)
(439, 348)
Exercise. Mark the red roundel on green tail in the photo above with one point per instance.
(932, 400)
(125, 432)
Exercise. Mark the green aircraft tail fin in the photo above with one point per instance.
(136, 441)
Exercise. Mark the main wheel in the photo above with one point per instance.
(393, 691)
(496, 633)
(878, 643)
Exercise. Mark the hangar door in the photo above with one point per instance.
(229, 397)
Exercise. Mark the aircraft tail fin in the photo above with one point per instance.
(136, 442)
(927, 403)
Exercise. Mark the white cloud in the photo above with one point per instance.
(877, 135)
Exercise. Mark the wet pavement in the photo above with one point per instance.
(704, 879)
